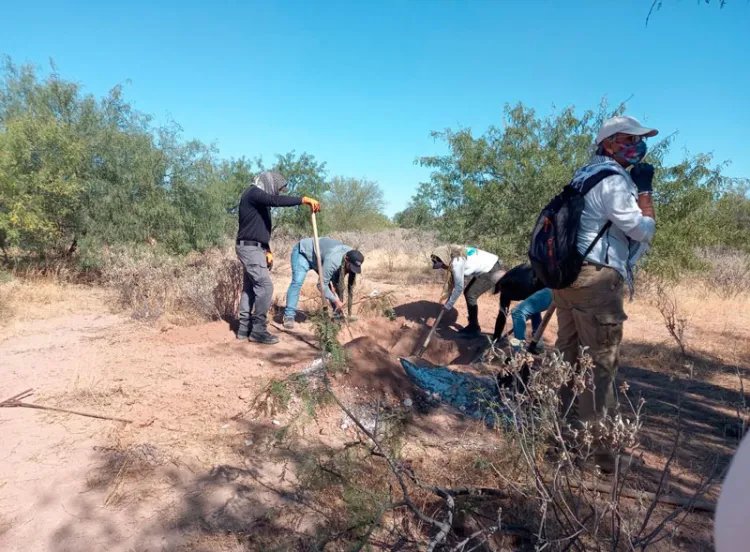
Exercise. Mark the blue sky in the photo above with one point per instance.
(360, 85)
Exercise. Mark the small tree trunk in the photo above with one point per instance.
(73, 246)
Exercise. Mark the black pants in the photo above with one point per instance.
(479, 285)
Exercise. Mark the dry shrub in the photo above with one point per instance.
(7, 309)
(729, 271)
(400, 256)
(35, 299)
(203, 286)
(399, 240)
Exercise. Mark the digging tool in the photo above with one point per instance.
(345, 317)
(316, 242)
(540, 330)
(423, 348)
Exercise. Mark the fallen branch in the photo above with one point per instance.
(295, 336)
(18, 397)
(702, 505)
(64, 410)
(443, 527)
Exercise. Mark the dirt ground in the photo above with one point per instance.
(199, 469)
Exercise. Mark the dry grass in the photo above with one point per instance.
(42, 298)
(195, 288)
(729, 272)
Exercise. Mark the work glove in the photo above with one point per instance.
(313, 203)
(269, 259)
(643, 176)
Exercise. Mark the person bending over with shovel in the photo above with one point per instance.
(471, 271)
(521, 284)
(337, 260)
(255, 254)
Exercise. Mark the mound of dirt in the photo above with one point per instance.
(373, 369)
(408, 339)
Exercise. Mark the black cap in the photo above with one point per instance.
(355, 259)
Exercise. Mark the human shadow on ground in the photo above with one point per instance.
(424, 313)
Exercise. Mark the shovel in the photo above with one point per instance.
(423, 348)
(540, 330)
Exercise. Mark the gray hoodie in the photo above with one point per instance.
(331, 257)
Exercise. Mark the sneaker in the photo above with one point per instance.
(289, 323)
(263, 337)
(241, 336)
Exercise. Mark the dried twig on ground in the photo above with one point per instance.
(12, 402)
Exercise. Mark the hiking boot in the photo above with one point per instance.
(241, 336)
(472, 329)
(289, 323)
(262, 336)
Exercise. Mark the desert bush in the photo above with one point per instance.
(488, 189)
(727, 272)
(151, 283)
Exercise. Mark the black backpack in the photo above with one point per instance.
(553, 252)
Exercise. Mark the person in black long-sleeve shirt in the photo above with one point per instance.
(519, 284)
(253, 237)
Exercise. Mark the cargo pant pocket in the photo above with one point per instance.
(609, 328)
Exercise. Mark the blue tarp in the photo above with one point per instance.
(468, 393)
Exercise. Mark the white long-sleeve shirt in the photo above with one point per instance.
(615, 198)
(477, 262)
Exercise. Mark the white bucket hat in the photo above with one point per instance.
(623, 124)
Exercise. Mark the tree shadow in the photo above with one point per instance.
(250, 506)
(704, 411)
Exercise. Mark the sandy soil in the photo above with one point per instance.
(189, 474)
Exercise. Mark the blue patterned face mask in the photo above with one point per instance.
(633, 153)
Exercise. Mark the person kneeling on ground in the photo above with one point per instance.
(480, 269)
(252, 249)
(521, 284)
(590, 311)
(337, 259)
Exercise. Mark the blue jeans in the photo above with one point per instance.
(300, 267)
(531, 307)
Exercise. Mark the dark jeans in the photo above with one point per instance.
(257, 289)
(479, 285)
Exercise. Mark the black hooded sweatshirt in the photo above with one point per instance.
(255, 213)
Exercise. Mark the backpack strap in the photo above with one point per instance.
(594, 179)
(587, 186)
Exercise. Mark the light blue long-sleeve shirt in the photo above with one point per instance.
(331, 257)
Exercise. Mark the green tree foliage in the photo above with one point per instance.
(488, 190)
(306, 177)
(355, 204)
(79, 170)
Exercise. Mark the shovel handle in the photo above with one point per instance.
(429, 335)
(317, 255)
(540, 330)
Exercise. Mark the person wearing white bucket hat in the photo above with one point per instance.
(618, 218)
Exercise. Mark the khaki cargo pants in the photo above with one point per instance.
(590, 314)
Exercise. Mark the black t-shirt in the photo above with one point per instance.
(255, 213)
(517, 284)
